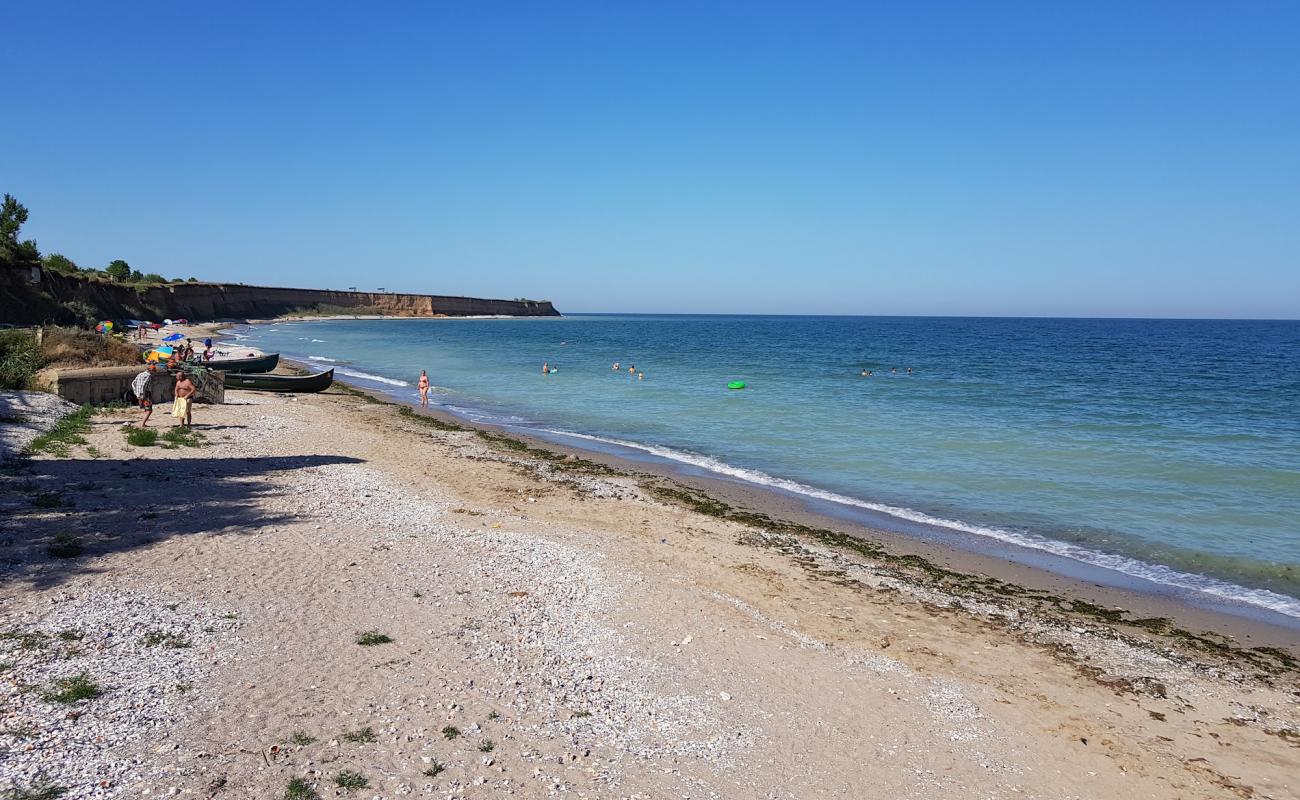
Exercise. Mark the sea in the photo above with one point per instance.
(1161, 455)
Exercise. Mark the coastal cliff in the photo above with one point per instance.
(58, 296)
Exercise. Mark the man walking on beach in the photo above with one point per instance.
(183, 404)
(142, 387)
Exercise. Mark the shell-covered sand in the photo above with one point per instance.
(556, 630)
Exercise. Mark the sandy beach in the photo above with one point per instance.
(379, 603)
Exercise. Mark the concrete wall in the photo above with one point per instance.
(101, 385)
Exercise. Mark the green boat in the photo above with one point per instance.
(280, 383)
(264, 363)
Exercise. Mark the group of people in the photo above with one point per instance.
(866, 373)
(631, 370)
(186, 351)
(183, 393)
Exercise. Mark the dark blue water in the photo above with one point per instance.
(1163, 449)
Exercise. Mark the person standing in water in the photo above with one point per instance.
(423, 386)
(546, 368)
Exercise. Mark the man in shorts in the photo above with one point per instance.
(183, 405)
(142, 387)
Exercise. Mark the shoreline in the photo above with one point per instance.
(1026, 567)
(328, 583)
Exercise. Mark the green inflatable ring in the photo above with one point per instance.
(736, 385)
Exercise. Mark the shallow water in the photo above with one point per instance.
(1164, 449)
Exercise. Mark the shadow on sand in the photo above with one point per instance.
(58, 516)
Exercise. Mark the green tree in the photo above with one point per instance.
(57, 262)
(118, 270)
(153, 277)
(13, 215)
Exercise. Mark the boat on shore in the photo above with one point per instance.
(263, 363)
(280, 383)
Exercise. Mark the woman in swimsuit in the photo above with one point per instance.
(424, 388)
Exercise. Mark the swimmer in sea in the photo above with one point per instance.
(640, 376)
(546, 368)
(893, 370)
(909, 370)
(866, 373)
(615, 367)
(631, 370)
(423, 386)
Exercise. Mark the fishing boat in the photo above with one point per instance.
(280, 383)
(264, 363)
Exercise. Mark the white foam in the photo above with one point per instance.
(352, 373)
(1156, 573)
(322, 358)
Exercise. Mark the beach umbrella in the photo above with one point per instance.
(173, 337)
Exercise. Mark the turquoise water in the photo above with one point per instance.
(1163, 450)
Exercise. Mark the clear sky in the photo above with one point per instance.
(1035, 158)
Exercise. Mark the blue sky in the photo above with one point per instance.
(1098, 158)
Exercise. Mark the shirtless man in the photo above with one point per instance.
(423, 386)
(183, 407)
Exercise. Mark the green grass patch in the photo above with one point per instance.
(19, 358)
(364, 736)
(64, 545)
(372, 638)
(350, 780)
(299, 789)
(487, 746)
(434, 769)
(72, 690)
(171, 641)
(140, 437)
(49, 500)
(59, 440)
(301, 738)
(450, 732)
(71, 635)
(27, 640)
(43, 792)
(182, 437)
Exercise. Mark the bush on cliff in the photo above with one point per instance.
(15, 253)
(57, 262)
(118, 270)
(19, 358)
(70, 347)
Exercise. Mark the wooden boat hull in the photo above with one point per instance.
(264, 363)
(280, 383)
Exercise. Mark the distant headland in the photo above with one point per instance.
(45, 295)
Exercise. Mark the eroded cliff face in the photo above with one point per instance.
(206, 301)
